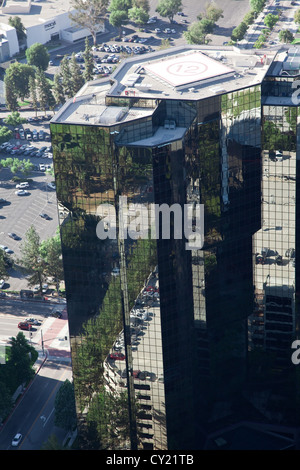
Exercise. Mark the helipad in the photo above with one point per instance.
(186, 69)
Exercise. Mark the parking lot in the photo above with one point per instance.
(24, 209)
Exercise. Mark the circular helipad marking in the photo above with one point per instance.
(187, 68)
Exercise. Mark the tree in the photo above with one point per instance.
(50, 251)
(297, 16)
(22, 356)
(213, 12)
(11, 98)
(197, 32)
(257, 5)
(14, 119)
(168, 8)
(46, 98)
(89, 14)
(65, 73)
(118, 19)
(138, 15)
(5, 134)
(33, 93)
(16, 79)
(286, 36)
(31, 259)
(270, 20)
(88, 62)
(120, 5)
(65, 410)
(3, 271)
(5, 400)
(57, 90)
(239, 32)
(38, 55)
(76, 75)
(16, 23)
(144, 4)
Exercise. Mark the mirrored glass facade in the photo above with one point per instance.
(170, 346)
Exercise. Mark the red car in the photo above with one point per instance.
(116, 356)
(24, 325)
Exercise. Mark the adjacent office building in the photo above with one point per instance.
(170, 344)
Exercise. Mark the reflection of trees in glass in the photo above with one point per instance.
(113, 426)
(134, 168)
(274, 138)
(243, 100)
(209, 169)
(100, 332)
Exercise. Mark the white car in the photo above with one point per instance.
(115, 272)
(16, 440)
(22, 192)
(44, 288)
(51, 186)
(2, 283)
(23, 185)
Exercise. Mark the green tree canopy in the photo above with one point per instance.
(138, 15)
(88, 62)
(118, 19)
(270, 20)
(65, 410)
(197, 32)
(257, 5)
(168, 8)
(16, 22)
(31, 259)
(14, 119)
(17, 79)
(5, 134)
(38, 55)
(286, 36)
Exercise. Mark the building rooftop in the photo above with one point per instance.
(182, 73)
(39, 11)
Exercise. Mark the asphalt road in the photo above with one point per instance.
(33, 417)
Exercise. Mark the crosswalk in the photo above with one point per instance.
(54, 336)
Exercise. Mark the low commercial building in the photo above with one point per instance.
(43, 21)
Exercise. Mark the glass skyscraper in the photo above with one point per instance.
(171, 345)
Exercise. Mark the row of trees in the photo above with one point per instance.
(29, 80)
(16, 368)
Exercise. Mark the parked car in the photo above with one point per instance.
(117, 356)
(24, 325)
(32, 321)
(115, 272)
(16, 440)
(45, 216)
(51, 186)
(22, 185)
(45, 288)
(22, 192)
(2, 283)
